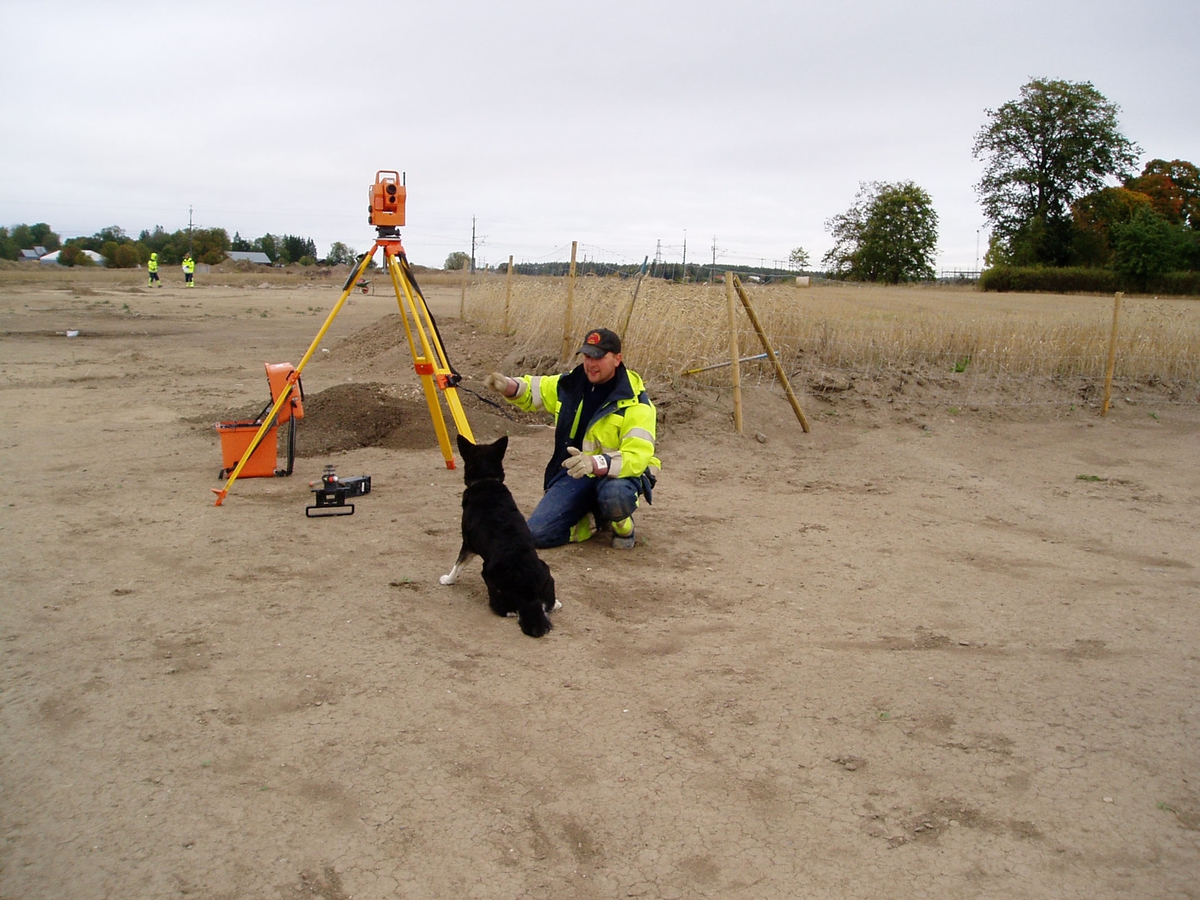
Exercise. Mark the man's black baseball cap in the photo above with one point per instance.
(600, 341)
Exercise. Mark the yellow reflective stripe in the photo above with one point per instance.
(640, 433)
(535, 387)
(614, 466)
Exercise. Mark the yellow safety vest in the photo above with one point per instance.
(623, 429)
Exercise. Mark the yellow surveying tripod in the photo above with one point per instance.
(386, 213)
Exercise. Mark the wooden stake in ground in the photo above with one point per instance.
(632, 300)
(507, 295)
(568, 338)
(462, 300)
(1112, 354)
(762, 336)
(736, 376)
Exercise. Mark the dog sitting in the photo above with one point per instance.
(517, 580)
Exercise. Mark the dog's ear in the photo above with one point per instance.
(501, 446)
(463, 444)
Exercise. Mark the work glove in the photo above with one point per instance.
(580, 465)
(498, 383)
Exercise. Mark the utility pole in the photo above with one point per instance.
(712, 272)
(189, 230)
(472, 245)
(685, 256)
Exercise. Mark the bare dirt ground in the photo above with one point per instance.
(914, 653)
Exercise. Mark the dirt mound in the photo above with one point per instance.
(375, 339)
(371, 414)
(235, 265)
(347, 416)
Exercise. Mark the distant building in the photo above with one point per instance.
(51, 259)
(32, 255)
(253, 256)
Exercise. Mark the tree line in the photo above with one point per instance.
(1059, 191)
(26, 237)
(206, 245)
(677, 272)
(1050, 157)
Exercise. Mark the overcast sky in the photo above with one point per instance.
(619, 124)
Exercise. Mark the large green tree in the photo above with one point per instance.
(1174, 188)
(340, 254)
(295, 249)
(1059, 141)
(889, 234)
(26, 237)
(1147, 246)
(268, 244)
(1094, 218)
(209, 245)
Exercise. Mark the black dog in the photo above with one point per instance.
(494, 529)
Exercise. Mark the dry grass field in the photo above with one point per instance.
(857, 328)
(946, 644)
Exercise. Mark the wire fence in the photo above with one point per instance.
(978, 345)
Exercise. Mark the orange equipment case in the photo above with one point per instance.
(237, 435)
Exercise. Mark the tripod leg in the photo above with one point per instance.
(432, 347)
(424, 361)
(285, 396)
(460, 416)
(439, 420)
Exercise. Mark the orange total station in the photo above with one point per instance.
(388, 196)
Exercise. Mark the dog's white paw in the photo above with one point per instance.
(448, 579)
(557, 605)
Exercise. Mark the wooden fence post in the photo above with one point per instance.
(507, 295)
(736, 376)
(629, 309)
(462, 300)
(1112, 354)
(567, 326)
(766, 344)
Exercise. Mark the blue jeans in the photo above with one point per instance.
(568, 500)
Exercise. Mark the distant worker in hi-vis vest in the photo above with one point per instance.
(152, 268)
(189, 269)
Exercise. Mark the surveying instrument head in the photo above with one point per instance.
(386, 210)
(438, 378)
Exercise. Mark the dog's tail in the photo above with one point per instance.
(533, 619)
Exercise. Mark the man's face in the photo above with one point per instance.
(601, 370)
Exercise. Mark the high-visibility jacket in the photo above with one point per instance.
(623, 429)
(152, 266)
(189, 264)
